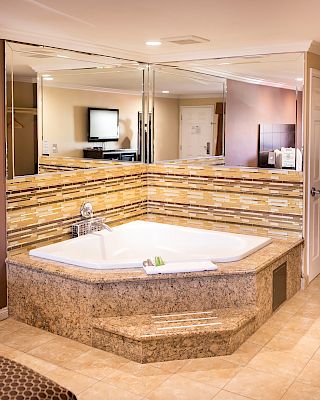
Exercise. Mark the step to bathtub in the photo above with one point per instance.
(174, 336)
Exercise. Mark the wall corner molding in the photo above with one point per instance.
(315, 47)
(4, 313)
(74, 44)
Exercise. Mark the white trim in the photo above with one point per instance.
(313, 73)
(4, 313)
(236, 52)
(213, 95)
(70, 44)
(75, 86)
(242, 78)
(90, 47)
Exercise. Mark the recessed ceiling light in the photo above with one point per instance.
(153, 43)
(100, 67)
(62, 56)
(165, 91)
(225, 63)
(48, 78)
(299, 79)
(46, 75)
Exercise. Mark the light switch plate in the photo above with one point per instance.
(45, 148)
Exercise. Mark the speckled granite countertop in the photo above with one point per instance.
(249, 265)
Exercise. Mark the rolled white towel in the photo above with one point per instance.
(182, 266)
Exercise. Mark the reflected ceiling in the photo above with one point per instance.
(285, 70)
(92, 72)
(231, 27)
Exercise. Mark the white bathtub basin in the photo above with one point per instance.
(129, 244)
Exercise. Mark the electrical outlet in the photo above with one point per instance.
(54, 148)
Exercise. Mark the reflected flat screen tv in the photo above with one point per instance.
(103, 124)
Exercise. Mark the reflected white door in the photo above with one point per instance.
(313, 224)
(197, 131)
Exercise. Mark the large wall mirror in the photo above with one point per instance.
(263, 116)
(66, 104)
(189, 113)
(58, 100)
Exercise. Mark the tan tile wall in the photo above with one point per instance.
(216, 160)
(42, 208)
(255, 201)
(59, 164)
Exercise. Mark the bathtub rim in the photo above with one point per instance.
(40, 252)
(252, 264)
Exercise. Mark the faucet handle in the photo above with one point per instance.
(86, 210)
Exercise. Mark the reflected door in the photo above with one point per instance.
(198, 131)
(313, 225)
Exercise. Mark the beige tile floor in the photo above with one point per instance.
(280, 361)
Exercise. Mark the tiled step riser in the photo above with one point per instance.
(167, 349)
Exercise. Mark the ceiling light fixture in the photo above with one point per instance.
(62, 56)
(224, 63)
(48, 78)
(165, 91)
(46, 75)
(153, 43)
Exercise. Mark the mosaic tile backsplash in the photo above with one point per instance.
(41, 208)
(58, 164)
(241, 200)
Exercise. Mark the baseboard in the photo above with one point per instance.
(4, 313)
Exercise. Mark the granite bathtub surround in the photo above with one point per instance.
(150, 318)
(41, 208)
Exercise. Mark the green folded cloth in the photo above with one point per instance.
(158, 261)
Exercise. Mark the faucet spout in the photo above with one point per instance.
(106, 226)
(98, 225)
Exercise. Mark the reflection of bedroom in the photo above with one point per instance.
(191, 114)
(70, 132)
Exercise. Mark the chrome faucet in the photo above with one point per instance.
(88, 224)
(86, 210)
(99, 225)
(95, 224)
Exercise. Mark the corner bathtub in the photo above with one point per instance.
(129, 244)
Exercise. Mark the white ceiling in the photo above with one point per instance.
(121, 27)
